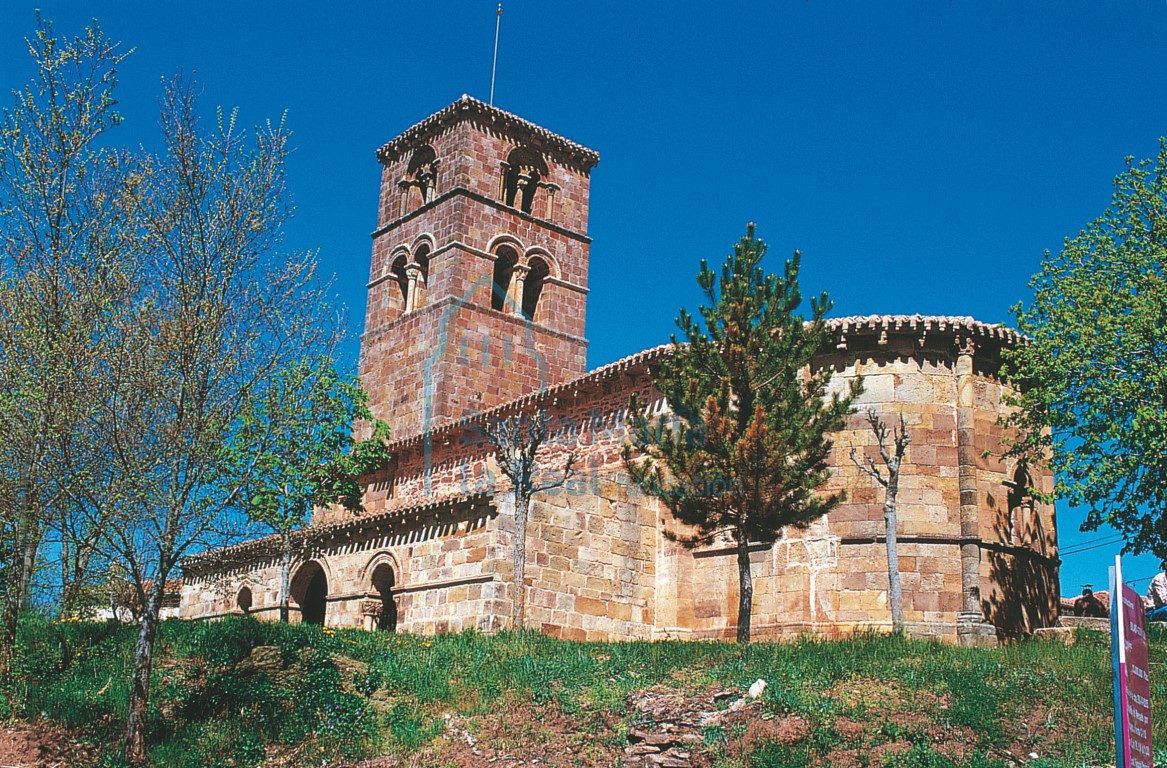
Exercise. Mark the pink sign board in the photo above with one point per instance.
(1132, 682)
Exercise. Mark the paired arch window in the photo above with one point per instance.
(411, 274)
(421, 179)
(524, 174)
(517, 282)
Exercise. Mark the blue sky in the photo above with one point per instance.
(921, 155)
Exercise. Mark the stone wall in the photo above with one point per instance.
(445, 352)
(600, 568)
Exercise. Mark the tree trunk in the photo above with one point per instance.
(26, 546)
(285, 583)
(745, 605)
(894, 592)
(518, 601)
(143, 663)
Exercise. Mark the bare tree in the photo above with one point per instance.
(891, 485)
(517, 440)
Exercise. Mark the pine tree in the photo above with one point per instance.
(747, 441)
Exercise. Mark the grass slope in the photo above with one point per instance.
(313, 696)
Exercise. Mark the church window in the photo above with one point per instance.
(399, 277)
(243, 600)
(533, 286)
(1020, 503)
(504, 269)
(523, 174)
(421, 277)
(421, 179)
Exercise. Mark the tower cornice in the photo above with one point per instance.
(491, 118)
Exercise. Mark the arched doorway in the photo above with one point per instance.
(383, 581)
(310, 592)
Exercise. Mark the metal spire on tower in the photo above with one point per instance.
(494, 66)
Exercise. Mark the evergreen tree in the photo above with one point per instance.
(746, 444)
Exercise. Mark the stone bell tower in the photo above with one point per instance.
(478, 283)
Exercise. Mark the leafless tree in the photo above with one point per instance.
(893, 459)
(517, 440)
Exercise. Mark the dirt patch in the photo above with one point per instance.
(521, 735)
(780, 730)
(42, 745)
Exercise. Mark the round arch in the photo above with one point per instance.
(537, 274)
(502, 275)
(510, 240)
(425, 238)
(538, 252)
(422, 156)
(380, 578)
(309, 591)
(244, 599)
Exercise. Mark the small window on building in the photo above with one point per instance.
(422, 281)
(243, 600)
(1020, 503)
(399, 277)
(533, 286)
(523, 172)
(421, 178)
(504, 269)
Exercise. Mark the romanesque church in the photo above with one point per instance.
(477, 300)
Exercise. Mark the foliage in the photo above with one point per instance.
(1094, 373)
(296, 433)
(145, 303)
(222, 312)
(747, 444)
(926, 701)
(295, 444)
(63, 230)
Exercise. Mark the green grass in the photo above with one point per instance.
(390, 692)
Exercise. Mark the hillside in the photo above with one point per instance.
(245, 693)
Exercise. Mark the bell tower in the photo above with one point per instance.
(478, 283)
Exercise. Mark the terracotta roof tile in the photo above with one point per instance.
(467, 107)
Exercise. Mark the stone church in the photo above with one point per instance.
(477, 300)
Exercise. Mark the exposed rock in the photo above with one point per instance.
(263, 658)
(669, 726)
(350, 670)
